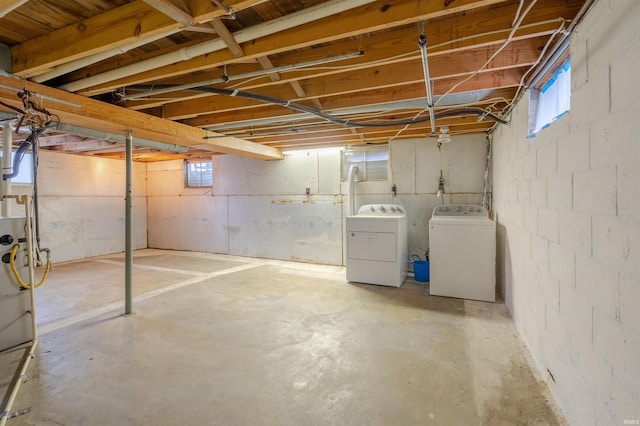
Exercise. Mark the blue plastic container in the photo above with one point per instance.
(421, 270)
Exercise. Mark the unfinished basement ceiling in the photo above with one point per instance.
(361, 64)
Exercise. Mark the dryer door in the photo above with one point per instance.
(380, 246)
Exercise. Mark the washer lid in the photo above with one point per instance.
(461, 210)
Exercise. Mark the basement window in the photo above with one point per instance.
(372, 163)
(25, 173)
(551, 101)
(198, 174)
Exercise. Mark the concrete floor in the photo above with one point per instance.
(222, 340)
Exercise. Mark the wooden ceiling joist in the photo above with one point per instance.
(100, 48)
(82, 111)
(348, 24)
(379, 46)
(115, 28)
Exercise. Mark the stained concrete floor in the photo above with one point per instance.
(223, 340)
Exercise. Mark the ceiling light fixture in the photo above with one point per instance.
(444, 136)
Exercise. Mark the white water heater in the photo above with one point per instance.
(15, 302)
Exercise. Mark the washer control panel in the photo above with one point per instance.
(381, 210)
(460, 210)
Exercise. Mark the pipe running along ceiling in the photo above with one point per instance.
(255, 77)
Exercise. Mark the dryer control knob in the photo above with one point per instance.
(382, 209)
(373, 209)
(399, 210)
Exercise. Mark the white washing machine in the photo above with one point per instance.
(462, 253)
(377, 249)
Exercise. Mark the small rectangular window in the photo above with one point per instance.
(372, 163)
(198, 174)
(25, 171)
(551, 101)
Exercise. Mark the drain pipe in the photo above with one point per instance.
(422, 42)
(351, 196)
(305, 16)
(97, 57)
(13, 5)
(7, 144)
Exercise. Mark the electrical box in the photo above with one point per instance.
(15, 302)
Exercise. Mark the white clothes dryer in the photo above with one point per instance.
(377, 249)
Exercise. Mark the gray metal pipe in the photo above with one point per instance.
(128, 250)
(227, 78)
(427, 80)
(102, 135)
(108, 136)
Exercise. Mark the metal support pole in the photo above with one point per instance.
(128, 250)
(7, 140)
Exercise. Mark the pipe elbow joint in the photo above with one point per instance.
(184, 54)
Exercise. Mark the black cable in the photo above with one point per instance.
(17, 158)
(331, 118)
(34, 151)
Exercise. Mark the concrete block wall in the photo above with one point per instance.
(81, 204)
(260, 208)
(567, 205)
(255, 208)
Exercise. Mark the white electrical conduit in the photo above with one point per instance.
(7, 144)
(518, 23)
(20, 378)
(92, 59)
(515, 19)
(427, 80)
(225, 79)
(305, 16)
(563, 43)
(496, 53)
(353, 169)
(559, 45)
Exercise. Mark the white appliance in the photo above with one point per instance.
(377, 249)
(462, 253)
(15, 302)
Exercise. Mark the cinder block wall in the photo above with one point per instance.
(81, 203)
(568, 210)
(259, 208)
